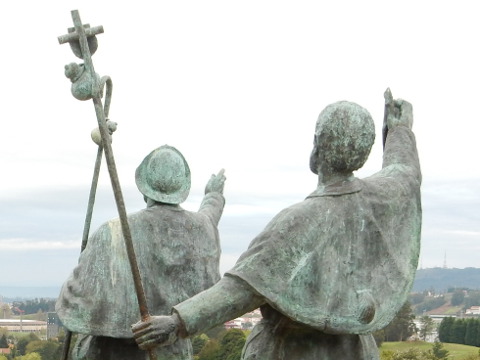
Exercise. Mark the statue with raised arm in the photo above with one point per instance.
(331, 270)
(178, 256)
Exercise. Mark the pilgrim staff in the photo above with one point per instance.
(87, 85)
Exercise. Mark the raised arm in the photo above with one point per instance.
(213, 201)
(400, 150)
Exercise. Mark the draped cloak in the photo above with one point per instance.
(343, 260)
(178, 254)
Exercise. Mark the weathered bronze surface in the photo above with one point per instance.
(329, 271)
(86, 84)
(178, 252)
(98, 320)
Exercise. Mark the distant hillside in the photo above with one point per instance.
(442, 279)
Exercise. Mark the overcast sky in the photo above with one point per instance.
(234, 85)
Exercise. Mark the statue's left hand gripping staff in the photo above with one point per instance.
(86, 85)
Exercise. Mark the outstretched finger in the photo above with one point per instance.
(388, 96)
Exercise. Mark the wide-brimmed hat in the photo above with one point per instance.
(164, 176)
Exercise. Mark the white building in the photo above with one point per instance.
(245, 322)
(474, 310)
(15, 325)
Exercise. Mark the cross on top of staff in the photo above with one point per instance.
(82, 34)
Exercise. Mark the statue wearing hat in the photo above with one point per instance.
(178, 254)
(329, 271)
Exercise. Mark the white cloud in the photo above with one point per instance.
(19, 244)
(464, 233)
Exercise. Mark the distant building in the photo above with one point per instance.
(473, 310)
(245, 322)
(233, 324)
(5, 351)
(15, 325)
(54, 325)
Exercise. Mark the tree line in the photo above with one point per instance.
(217, 344)
(460, 331)
(220, 345)
(33, 306)
(400, 328)
(30, 347)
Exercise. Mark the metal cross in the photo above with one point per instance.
(73, 38)
(82, 34)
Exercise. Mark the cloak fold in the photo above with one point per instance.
(343, 261)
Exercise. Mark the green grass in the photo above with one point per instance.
(405, 345)
(37, 317)
(453, 310)
(456, 351)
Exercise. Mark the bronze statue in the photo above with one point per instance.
(178, 255)
(329, 271)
